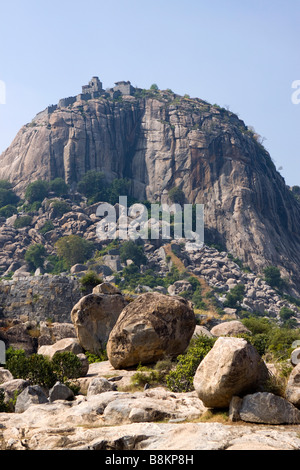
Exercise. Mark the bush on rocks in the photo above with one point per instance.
(181, 379)
(40, 370)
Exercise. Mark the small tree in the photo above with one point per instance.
(35, 255)
(234, 296)
(23, 221)
(273, 277)
(154, 87)
(177, 195)
(74, 249)
(8, 211)
(37, 191)
(181, 379)
(129, 250)
(59, 187)
(59, 208)
(92, 184)
(7, 196)
(66, 365)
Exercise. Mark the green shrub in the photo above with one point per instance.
(181, 379)
(7, 195)
(59, 187)
(22, 221)
(100, 357)
(40, 370)
(47, 227)
(35, 368)
(177, 195)
(269, 338)
(59, 208)
(66, 365)
(8, 211)
(93, 184)
(5, 184)
(74, 249)
(4, 408)
(197, 300)
(130, 250)
(37, 191)
(57, 264)
(35, 255)
(273, 277)
(234, 296)
(90, 280)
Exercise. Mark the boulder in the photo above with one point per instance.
(202, 331)
(63, 345)
(78, 268)
(32, 395)
(267, 408)
(11, 388)
(84, 364)
(180, 286)
(232, 367)
(5, 375)
(60, 391)
(94, 316)
(100, 385)
(151, 327)
(18, 337)
(230, 328)
(50, 333)
(292, 391)
(106, 288)
(295, 357)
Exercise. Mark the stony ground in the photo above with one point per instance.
(153, 419)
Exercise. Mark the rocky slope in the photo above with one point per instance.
(160, 140)
(42, 295)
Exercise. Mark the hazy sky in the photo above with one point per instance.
(230, 52)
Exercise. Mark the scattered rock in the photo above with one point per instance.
(32, 395)
(230, 328)
(84, 364)
(100, 385)
(12, 388)
(5, 375)
(63, 345)
(267, 408)
(60, 391)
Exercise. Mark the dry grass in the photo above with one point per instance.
(211, 311)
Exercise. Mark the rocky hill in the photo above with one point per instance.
(159, 140)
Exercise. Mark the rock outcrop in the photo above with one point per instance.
(263, 407)
(151, 327)
(160, 140)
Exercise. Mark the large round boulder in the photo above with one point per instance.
(94, 316)
(151, 327)
(231, 367)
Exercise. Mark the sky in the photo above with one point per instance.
(244, 55)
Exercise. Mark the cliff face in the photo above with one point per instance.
(159, 140)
